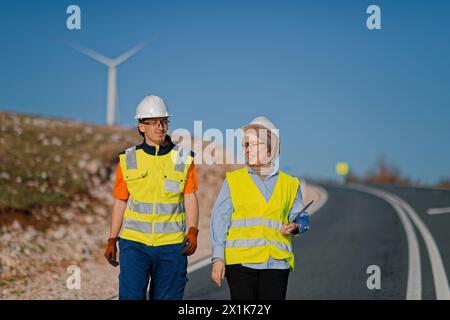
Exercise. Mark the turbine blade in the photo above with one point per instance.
(93, 54)
(127, 55)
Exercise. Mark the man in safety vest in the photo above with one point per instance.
(155, 203)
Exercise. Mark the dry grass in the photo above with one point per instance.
(46, 162)
(383, 173)
(444, 184)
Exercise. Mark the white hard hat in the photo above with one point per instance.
(152, 107)
(262, 121)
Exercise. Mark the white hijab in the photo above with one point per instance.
(270, 163)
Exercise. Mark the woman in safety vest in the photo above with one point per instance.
(250, 229)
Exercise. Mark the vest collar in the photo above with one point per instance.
(163, 150)
(274, 173)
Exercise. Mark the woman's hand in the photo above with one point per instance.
(218, 271)
(289, 229)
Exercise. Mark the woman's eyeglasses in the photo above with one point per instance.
(247, 145)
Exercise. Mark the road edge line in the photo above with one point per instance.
(437, 266)
(414, 283)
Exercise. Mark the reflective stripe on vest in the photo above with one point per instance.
(258, 242)
(136, 225)
(160, 227)
(181, 159)
(170, 227)
(160, 208)
(252, 222)
(130, 154)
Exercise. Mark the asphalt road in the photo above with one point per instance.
(357, 228)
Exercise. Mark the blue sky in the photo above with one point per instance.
(336, 90)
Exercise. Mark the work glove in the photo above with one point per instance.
(111, 252)
(190, 242)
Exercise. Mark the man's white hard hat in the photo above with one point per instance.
(152, 107)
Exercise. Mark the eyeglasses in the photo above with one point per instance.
(247, 145)
(155, 123)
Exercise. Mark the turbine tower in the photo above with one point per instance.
(112, 75)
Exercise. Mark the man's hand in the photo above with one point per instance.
(190, 241)
(289, 229)
(218, 271)
(111, 252)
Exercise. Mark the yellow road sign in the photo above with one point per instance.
(342, 168)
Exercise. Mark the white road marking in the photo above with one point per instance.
(437, 266)
(414, 284)
(199, 264)
(322, 198)
(438, 210)
(439, 276)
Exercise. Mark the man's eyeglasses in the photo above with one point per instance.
(155, 123)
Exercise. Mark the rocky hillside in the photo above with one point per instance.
(47, 162)
(56, 181)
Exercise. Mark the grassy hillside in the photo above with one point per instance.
(48, 161)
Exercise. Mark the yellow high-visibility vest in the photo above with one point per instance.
(155, 213)
(254, 235)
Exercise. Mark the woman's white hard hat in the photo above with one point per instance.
(263, 122)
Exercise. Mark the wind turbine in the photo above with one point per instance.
(112, 65)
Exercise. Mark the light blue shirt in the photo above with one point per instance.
(223, 208)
